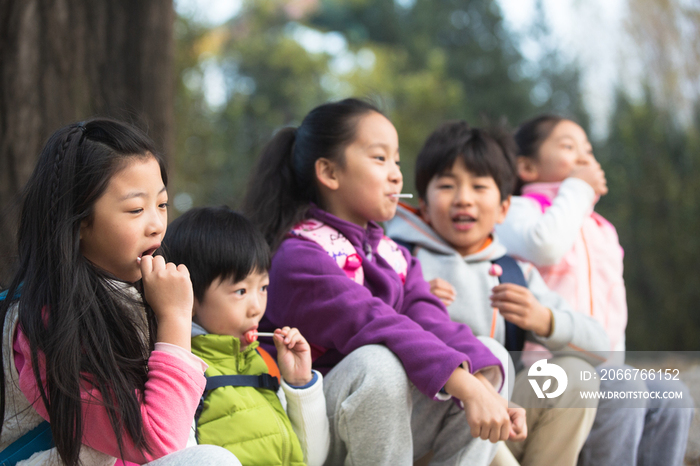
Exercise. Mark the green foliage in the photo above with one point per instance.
(423, 64)
(426, 63)
(654, 201)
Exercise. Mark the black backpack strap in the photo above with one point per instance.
(405, 244)
(265, 381)
(512, 273)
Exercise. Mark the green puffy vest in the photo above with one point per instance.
(247, 421)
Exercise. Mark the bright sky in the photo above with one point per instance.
(587, 33)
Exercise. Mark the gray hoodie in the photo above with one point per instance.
(470, 277)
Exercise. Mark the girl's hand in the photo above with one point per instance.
(443, 290)
(486, 411)
(517, 305)
(293, 356)
(518, 423)
(168, 290)
(593, 174)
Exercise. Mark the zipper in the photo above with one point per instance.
(590, 272)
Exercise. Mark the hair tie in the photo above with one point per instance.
(81, 126)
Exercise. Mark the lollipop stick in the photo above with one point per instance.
(406, 195)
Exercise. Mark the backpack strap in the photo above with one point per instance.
(36, 440)
(541, 199)
(512, 273)
(390, 252)
(265, 381)
(270, 381)
(344, 253)
(272, 368)
(335, 244)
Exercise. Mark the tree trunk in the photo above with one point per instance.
(67, 60)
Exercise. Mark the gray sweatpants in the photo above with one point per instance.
(378, 417)
(627, 434)
(200, 454)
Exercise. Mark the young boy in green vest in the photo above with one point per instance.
(243, 406)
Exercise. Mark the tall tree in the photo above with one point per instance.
(67, 60)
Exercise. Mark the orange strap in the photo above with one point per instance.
(271, 364)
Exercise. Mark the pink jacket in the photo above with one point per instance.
(576, 250)
(175, 384)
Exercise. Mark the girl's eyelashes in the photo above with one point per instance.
(136, 211)
(381, 158)
(164, 205)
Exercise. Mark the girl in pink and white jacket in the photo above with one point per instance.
(106, 364)
(577, 252)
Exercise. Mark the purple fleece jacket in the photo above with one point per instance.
(308, 290)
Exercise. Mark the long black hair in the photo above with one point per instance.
(284, 182)
(530, 135)
(83, 323)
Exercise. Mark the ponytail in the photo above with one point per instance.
(284, 180)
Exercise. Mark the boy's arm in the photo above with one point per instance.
(420, 304)
(571, 330)
(544, 238)
(306, 408)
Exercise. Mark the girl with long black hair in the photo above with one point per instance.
(107, 366)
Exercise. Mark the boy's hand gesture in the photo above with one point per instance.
(517, 305)
(443, 290)
(293, 356)
(518, 424)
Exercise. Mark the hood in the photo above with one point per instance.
(408, 227)
(198, 330)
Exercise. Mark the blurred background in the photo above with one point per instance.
(212, 80)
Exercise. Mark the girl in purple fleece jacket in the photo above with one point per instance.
(391, 353)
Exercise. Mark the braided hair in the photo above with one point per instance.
(75, 315)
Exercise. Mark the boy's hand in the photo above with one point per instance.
(293, 356)
(518, 423)
(168, 290)
(517, 305)
(443, 290)
(485, 409)
(591, 172)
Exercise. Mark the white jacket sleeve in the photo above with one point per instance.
(571, 330)
(306, 408)
(544, 238)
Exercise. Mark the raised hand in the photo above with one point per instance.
(293, 356)
(591, 172)
(168, 290)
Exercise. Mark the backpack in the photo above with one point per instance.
(344, 253)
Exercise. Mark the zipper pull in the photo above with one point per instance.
(368, 251)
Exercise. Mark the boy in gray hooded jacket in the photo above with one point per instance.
(464, 178)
